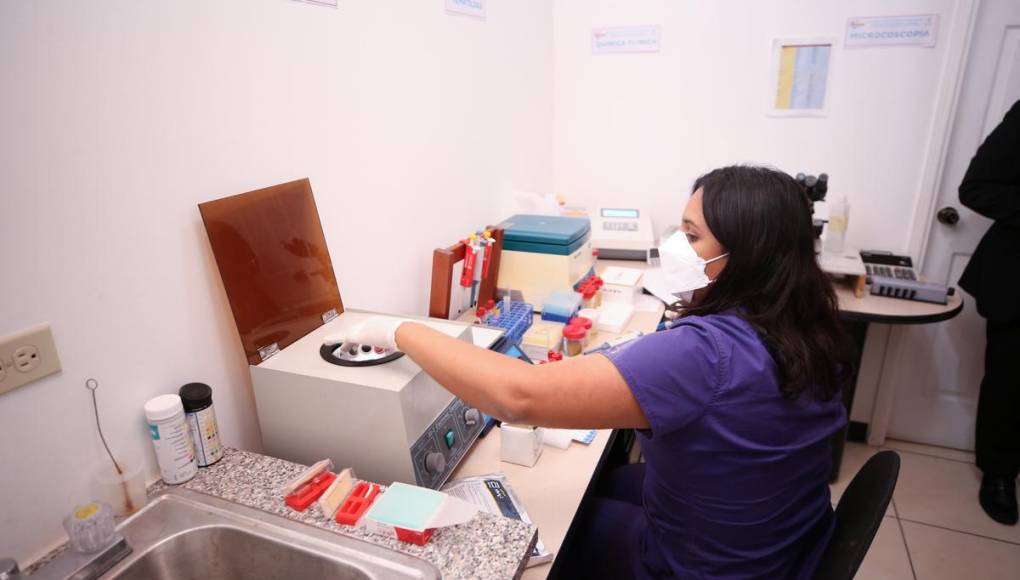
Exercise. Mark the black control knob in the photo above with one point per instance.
(472, 417)
(435, 462)
(948, 215)
(366, 348)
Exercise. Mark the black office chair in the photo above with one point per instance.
(858, 515)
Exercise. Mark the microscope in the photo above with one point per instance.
(885, 273)
(815, 188)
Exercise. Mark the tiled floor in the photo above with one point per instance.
(934, 528)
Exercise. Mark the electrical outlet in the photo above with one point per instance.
(27, 356)
(26, 359)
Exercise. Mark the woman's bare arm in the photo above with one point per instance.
(580, 392)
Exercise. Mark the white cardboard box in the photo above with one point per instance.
(614, 316)
(621, 284)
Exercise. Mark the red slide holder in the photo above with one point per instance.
(357, 503)
(309, 492)
(413, 537)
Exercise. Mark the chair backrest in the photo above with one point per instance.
(859, 513)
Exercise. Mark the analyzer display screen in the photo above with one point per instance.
(619, 213)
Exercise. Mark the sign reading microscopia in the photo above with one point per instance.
(920, 30)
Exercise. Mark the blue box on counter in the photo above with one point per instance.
(561, 306)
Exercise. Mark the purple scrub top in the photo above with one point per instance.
(736, 482)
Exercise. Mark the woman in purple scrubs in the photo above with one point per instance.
(735, 405)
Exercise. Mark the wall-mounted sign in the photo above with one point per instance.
(801, 70)
(920, 30)
(330, 3)
(473, 8)
(625, 39)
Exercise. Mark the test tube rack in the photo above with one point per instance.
(516, 322)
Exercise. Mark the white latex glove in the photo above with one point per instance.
(374, 331)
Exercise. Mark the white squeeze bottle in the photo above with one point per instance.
(175, 451)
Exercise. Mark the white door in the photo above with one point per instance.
(935, 370)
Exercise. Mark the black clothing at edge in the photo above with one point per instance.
(991, 187)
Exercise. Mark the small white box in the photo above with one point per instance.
(614, 316)
(621, 284)
(520, 444)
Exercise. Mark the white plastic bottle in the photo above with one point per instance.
(835, 230)
(175, 451)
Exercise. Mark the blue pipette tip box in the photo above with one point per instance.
(561, 306)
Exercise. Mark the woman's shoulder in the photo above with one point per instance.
(733, 337)
(725, 325)
(710, 339)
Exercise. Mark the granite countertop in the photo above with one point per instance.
(489, 546)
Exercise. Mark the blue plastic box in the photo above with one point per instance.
(561, 306)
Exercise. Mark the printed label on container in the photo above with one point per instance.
(175, 451)
(205, 435)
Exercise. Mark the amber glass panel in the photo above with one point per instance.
(274, 263)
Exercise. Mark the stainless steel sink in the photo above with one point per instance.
(187, 535)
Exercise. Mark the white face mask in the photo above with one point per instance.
(682, 268)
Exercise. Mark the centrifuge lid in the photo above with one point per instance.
(274, 264)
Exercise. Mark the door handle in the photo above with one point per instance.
(948, 215)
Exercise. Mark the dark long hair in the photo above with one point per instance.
(762, 217)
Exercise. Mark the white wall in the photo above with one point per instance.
(119, 116)
(638, 129)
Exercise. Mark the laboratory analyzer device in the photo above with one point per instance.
(622, 233)
(362, 406)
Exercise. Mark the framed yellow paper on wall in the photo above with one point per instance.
(801, 72)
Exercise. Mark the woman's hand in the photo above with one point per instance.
(374, 331)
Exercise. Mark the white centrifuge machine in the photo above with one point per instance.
(363, 407)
